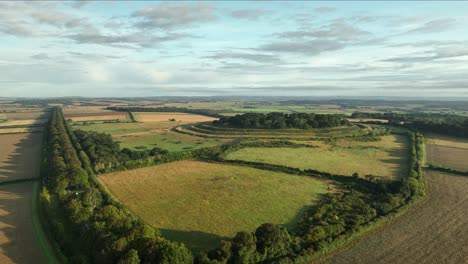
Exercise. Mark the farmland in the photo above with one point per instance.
(447, 151)
(19, 156)
(98, 116)
(180, 117)
(435, 231)
(199, 203)
(386, 157)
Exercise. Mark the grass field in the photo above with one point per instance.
(387, 157)
(200, 203)
(433, 232)
(151, 134)
(447, 151)
(20, 156)
(181, 117)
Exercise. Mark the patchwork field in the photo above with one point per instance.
(447, 151)
(20, 156)
(200, 203)
(181, 117)
(18, 243)
(387, 157)
(151, 134)
(98, 116)
(433, 232)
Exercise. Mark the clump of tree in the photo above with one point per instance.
(87, 224)
(281, 121)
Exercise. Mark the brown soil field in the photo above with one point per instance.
(98, 116)
(446, 141)
(434, 231)
(18, 153)
(18, 242)
(159, 117)
(455, 158)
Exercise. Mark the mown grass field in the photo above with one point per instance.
(445, 151)
(150, 135)
(200, 203)
(435, 231)
(387, 157)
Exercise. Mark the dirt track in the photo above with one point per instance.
(433, 232)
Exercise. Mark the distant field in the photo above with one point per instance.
(181, 117)
(200, 203)
(70, 110)
(447, 151)
(387, 157)
(98, 116)
(433, 232)
(20, 156)
(151, 134)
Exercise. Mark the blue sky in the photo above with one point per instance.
(149, 48)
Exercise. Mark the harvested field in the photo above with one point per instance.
(387, 157)
(357, 120)
(27, 115)
(446, 151)
(200, 203)
(20, 130)
(181, 117)
(98, 116)
(70, 110)
(24, 122)
(20, 156)
(18, 243)
(435, 231)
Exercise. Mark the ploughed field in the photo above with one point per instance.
(20, 156)
(435, 231)
(447, 152)
(200, 203)
(387, 157)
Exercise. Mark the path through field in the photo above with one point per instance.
(433, 232)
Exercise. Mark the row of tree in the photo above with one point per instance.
(281, 120)
(84, 220)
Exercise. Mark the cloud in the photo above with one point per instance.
(324, 9)
(58, 19)
(434, 26)
(336, 30)
(311, 47)
(256, 57)
(172, 16)
(440, 53)
(249, 14)
(40, 56)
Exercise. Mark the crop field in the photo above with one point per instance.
(18, 154)
(24, 122)
(387, 157)
(447, 151)
(71, 110)
(181, 117)
(200, 203)
(435, 231)
(27, 115)
(98, 116)
(18, 242)
(151, 134)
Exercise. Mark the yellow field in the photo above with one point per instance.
(98, 116)
(181, 117)
(23, 122)
(200, 203)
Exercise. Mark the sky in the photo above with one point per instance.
(214, 48)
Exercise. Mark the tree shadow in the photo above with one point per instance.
(400, 157)
(18, 243)
(22, 159)
(196, 241)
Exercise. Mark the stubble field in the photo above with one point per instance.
(447, 151)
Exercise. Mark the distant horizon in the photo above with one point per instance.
(230, 48)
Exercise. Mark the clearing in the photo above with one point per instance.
(435, 231)
(200, 203)
(387, 157)
(447, 151)
(181, 117)
(20, 156)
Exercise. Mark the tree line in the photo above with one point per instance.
(87, 224)
(206, 112)
(278, 120)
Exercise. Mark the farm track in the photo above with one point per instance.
(435, 231)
